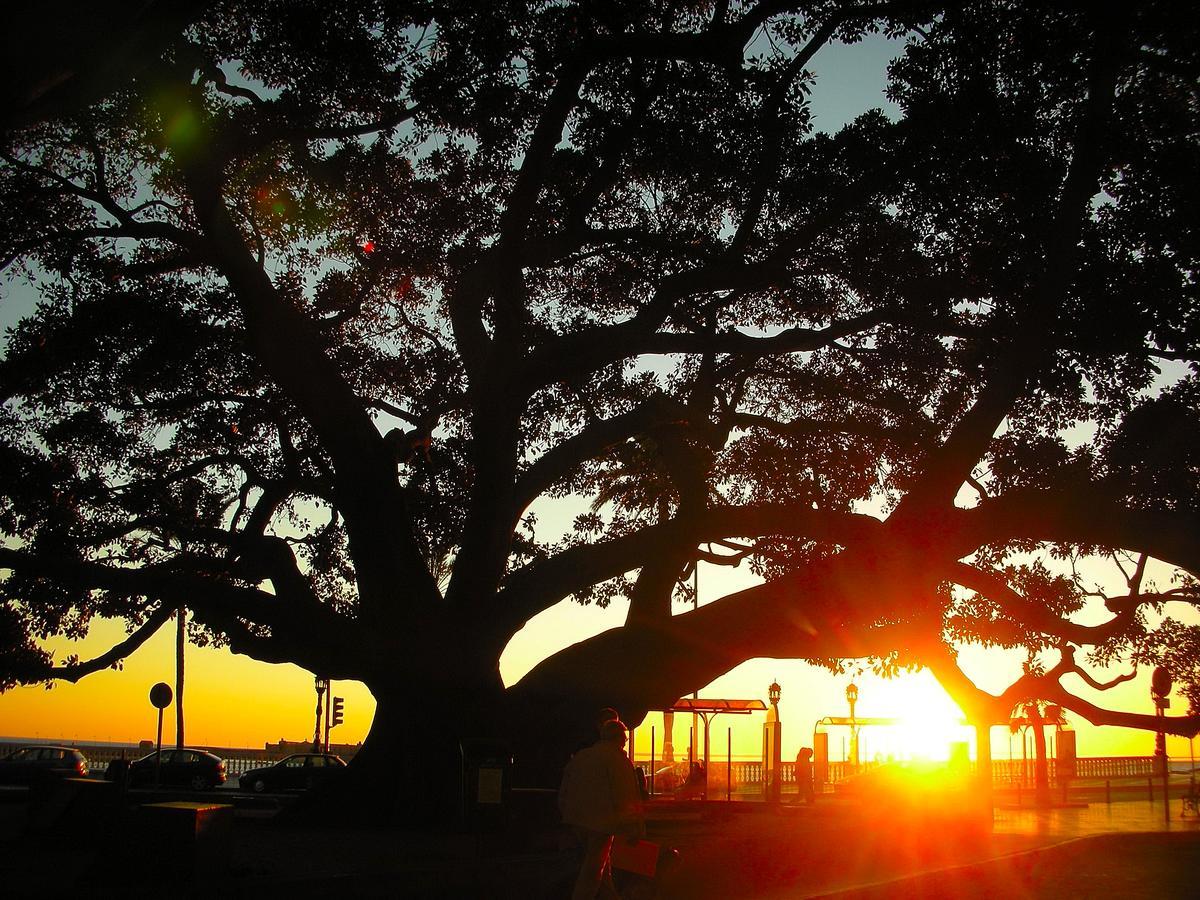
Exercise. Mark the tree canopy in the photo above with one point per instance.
(332, 294)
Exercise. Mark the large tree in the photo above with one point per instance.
(331, 296)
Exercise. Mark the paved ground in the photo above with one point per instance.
(847, 851)
(727, 851)
(1148, 866)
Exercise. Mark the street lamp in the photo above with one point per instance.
(852, 699)
(320, 684)
(1160, 689)
(772, 746)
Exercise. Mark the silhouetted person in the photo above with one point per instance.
(804, 774)
(585, 737)
(599, 799)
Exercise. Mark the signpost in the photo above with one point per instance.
(160, 698)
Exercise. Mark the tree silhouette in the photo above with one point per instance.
(330, 294)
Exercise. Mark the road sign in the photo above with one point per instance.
(160, 695)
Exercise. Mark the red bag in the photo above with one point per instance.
(641, 857)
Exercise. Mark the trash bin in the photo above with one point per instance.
(487, 783)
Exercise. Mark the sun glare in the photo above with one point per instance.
(929, 722)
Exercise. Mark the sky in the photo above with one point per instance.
(233, 701)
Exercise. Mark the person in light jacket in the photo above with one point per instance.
(599, 799)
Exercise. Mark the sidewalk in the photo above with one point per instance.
(839, 850)
(727, 851)
(1095, 818)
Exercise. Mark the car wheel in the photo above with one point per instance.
(199, 783)
(259, 786)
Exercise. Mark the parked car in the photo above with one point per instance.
(197, 769)
(31, 764)
(297, 772)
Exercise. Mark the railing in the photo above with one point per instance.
(1113, 766)
(747, 774)
(1012, 771)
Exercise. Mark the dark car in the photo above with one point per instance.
(299, 771)
(196, 769)
(31, 764)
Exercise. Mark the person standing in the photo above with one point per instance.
(599, 799)
(804, 775)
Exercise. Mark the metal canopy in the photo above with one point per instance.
(860, 720)
(708, 709)
(737, 707)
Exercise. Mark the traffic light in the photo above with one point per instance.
(337, 712)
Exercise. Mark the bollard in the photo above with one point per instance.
(1108, 792)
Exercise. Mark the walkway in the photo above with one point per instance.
(836, 850)
(727, 851)
(1095, 818)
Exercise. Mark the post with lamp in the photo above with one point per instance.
(852, 700)
(772, 749)
(320, 684)
(1160, 689)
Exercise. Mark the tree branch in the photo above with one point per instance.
(75, 671)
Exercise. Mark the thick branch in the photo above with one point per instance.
(1082, 515)
(596, 437)
(539, 586)
(108, 659)
(388, 563)
(1033, 615)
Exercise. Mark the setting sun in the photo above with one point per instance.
(928, 721)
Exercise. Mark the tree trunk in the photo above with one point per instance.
(983, 767)
(1041, 769)
(410, 769)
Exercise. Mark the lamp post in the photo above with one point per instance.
(773, 740)
(320, 684)
(852, 699)
(1160, 687)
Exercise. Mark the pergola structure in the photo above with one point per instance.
(855, 724)
(709, 709)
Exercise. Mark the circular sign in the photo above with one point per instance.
(160, 695)
(1160, 682)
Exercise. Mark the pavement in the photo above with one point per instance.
(851, 850)
(834, 849)
(1083, 820)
